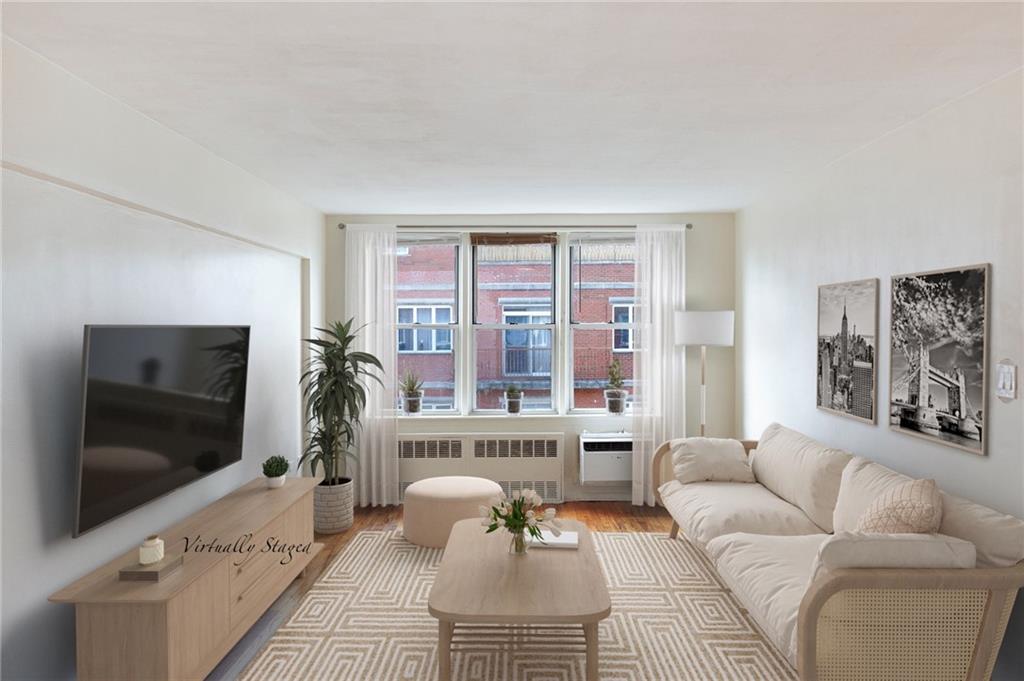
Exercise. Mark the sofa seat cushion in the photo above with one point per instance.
(801, 470)
(705, 510)
(769, 576)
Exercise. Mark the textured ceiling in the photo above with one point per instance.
(486, 108)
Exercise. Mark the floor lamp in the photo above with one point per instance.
(704, 329)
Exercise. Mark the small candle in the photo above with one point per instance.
(152, 550)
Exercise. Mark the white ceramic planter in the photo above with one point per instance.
(275, 482)
(332, 507)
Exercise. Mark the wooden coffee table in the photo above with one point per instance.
(482, 593)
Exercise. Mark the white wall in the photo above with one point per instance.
(710, 285)
(944, 190)
(109, 217)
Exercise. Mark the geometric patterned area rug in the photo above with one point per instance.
(366, 619)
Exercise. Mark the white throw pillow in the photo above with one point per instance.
(914, 506)
(710, 459)
(857, 550)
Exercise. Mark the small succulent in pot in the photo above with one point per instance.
(411, 388)
(616, 395)
(274, 470)
(513, 399)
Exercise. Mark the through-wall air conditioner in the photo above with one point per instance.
(606, 457)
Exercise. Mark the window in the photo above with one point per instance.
(548, 313)
(427, 294)
(622, 339)
(424, 340)
(513, 318)
(602, 271)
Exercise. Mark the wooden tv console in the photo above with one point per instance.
(183, 625)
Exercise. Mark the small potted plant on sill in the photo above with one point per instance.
(513, 399)
(274, 470)
(616, 395)
(411, 388)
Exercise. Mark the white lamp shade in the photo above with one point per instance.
(704, 328)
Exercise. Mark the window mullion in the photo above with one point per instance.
(466, 357)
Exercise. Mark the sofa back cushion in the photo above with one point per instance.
(862, 482)
(801, 470)
(998, 538)
(710, 459)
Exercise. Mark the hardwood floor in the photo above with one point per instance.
(600, 516)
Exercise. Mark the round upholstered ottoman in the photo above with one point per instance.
(433, 505)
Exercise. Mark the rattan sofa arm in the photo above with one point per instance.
(1000, 583)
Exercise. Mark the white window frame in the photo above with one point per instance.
(433, 327)
(405, 240)
(552, 327)
(630, 320)
(464, 329)
(573, 325)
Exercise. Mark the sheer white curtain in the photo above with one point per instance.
(659, 412)
(370, 252)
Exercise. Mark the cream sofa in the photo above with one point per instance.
(839, 608)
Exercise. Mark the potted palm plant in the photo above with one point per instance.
(335, 386)
(411, 388)
(616, 395)
(513, 399)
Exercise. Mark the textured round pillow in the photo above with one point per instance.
(910, 507)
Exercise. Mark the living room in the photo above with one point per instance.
(512, 341)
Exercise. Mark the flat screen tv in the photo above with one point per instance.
(162, 406)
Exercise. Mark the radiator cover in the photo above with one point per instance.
(512, 460)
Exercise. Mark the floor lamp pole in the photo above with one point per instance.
(703, 389)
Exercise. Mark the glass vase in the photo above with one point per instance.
(518, 546)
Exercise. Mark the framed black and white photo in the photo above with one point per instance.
(939, 331)
(847, 345)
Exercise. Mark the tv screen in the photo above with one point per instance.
(163, 406)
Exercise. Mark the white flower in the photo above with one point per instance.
(532, 522)
(485, 522)
(517, 494)
(485, 512)
(530, 514)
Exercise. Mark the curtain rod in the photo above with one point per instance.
(517, 228)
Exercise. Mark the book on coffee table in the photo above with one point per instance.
(567, 540)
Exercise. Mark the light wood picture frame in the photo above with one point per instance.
(939, 319)
(847, 349)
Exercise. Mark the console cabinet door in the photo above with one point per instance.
(198, 623)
